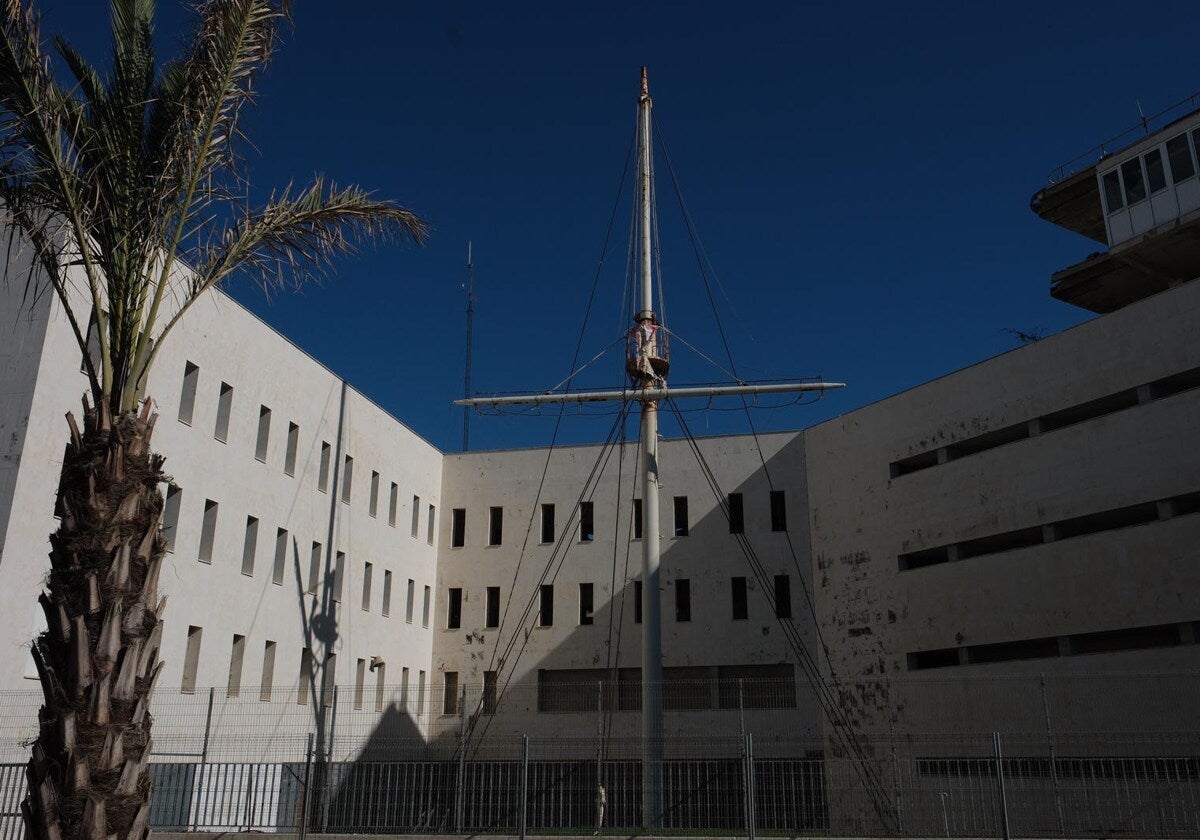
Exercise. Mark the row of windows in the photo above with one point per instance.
(1063, 529)
(187, 404)
(1142, 176)
(1079, 644)
(1167, 386)
(782, 602)
(681, 526)
(283, 545)
(305, 685)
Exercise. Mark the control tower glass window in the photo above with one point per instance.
(1155, 177)
(1180, 158)
(1112, 191)
(1135, 186)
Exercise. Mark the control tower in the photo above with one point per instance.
(1137, 194)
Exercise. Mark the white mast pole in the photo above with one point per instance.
(652, 746)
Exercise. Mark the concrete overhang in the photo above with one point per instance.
(1153, 262)
(1073, 203)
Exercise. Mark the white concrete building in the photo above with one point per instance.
(1032, 515)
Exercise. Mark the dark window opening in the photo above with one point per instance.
(1013, 651)
(737, 521)
(783, 596)
(778, 511)
(1135, 187)
(681, 516)
(489, 692)
(450, 693)
(585, 603)
(996, 543)
(738, 589)
(1179, 156)
(1155, 177)
(988, 440)
(547, 523)
(683, 600)
(637, 519)
(587, 526)
(1112, 191)
(637, 602)
(922, 659)
(495, 525)
(454, 608)
(546, 605)
(458, 528)
(492, 619)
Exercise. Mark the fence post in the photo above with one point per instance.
(203, 772)
(306, 801)
(1058, 804)
(750, 816)
(896, 774)
(524, 783)
(459, 793)
(599, 733)
(1000, 784)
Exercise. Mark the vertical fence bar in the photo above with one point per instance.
(460, 792)
(897, 795)
(750, 816)
(306, 799)
(202, 773)
(1000, 785)
(524, 784)
(1058, 801)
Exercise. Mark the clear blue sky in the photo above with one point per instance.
(859, 174)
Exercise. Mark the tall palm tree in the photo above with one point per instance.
(124, 189)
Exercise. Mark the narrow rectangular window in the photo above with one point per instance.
(420, 693)
(1135, 187)
(347, 478)
(281, 547)
(268, 672)
(236, 654)
(432, 523)
(1179, 156)
(546, 605)
(380, 683)
(393, 502)
(293, 447)
(339, 575)
(416, 515)
(737, 519)
(425, 603)
(489, 692)
(778, 511)
(323, 472)
(783, 596)
(360, 677)
(454, 608)
(404, 688)
(637, 519)
(450, 693)
(250, 546)
(637, 602)
(585, 603)
(492, 611)
(683, 599)
(737, 587)
(387, 592)
(314, 568)
(305, 684)
(587, 523)
(224, 407)
(264, 433)
(368, 571)
(208, 531)
(408, 603)
(191, 660)
(187, 395)
(171, 515)
(1112, 189)
(547, 523)
(681, 516)
(458, 528)
(329, 680)
(373, 502)
(495, 525)
(1155, 177)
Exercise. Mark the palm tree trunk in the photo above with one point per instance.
(98, 659)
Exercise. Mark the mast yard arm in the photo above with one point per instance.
(651, 394)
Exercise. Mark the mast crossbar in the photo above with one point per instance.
(652, 394)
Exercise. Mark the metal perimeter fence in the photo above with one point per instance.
(396, 763)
